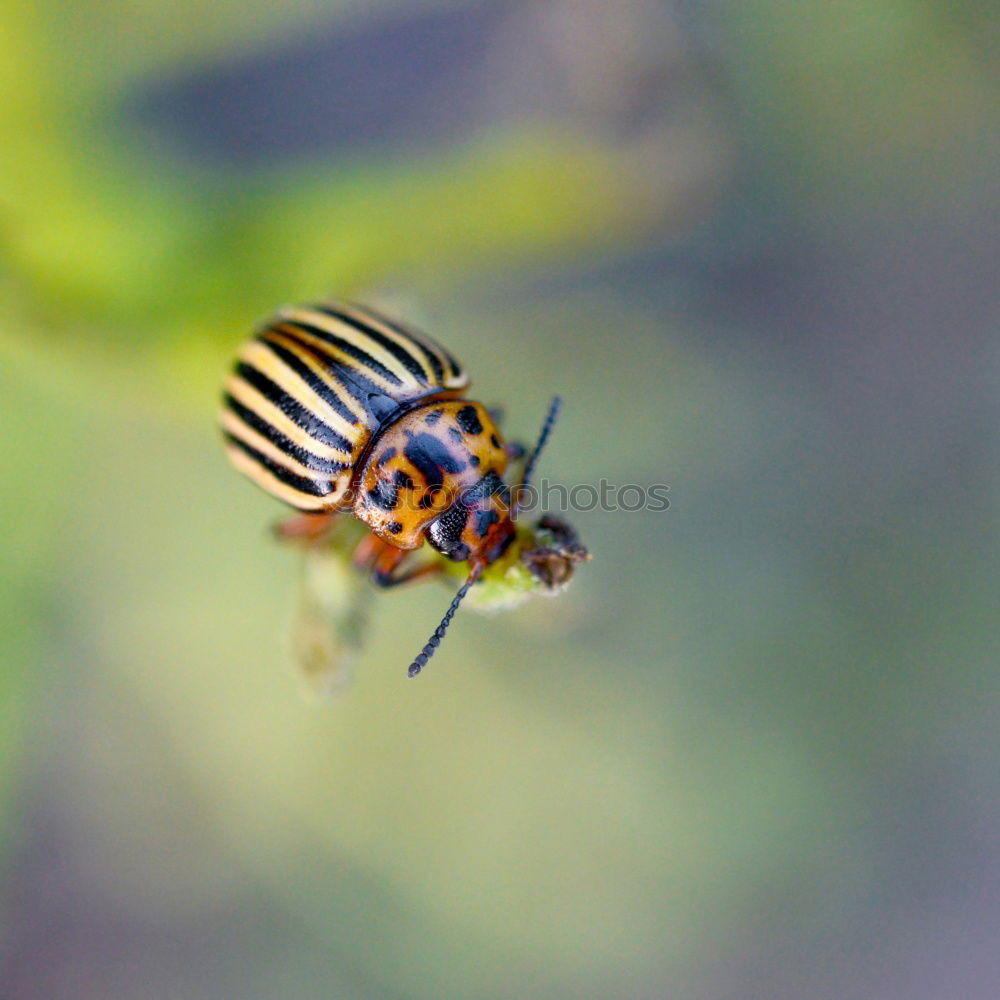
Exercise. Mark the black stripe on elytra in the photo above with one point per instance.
(300, 483)
(431, 459)
(320, 386)
(428, 351)
(323, 466)
(292, 408)
(377, 403)
(456, 368)
(400, 353)
(469, 421)
(433, 417)
(352, 350)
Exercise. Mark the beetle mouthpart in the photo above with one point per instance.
(553, 562)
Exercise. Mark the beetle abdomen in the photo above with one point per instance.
(312, 388)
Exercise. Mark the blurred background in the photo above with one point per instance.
(753, 751)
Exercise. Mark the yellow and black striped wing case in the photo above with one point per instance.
(310, 390)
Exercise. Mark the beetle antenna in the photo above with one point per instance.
(435, 640)
(529, 467)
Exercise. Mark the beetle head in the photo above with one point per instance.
(478, 525)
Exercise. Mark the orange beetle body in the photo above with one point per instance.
(335, 408)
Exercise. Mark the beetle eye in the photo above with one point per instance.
(445, 532)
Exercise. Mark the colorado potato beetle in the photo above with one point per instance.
(335, 408)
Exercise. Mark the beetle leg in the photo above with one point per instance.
(384, 562)
(304, 528)
(386, 571)
(381, 579)
(367, 551)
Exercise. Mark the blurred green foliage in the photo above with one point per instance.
(712, 759)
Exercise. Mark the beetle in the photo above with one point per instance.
(335, 408)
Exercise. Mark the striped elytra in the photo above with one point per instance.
(334, 408)
(314, 385)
